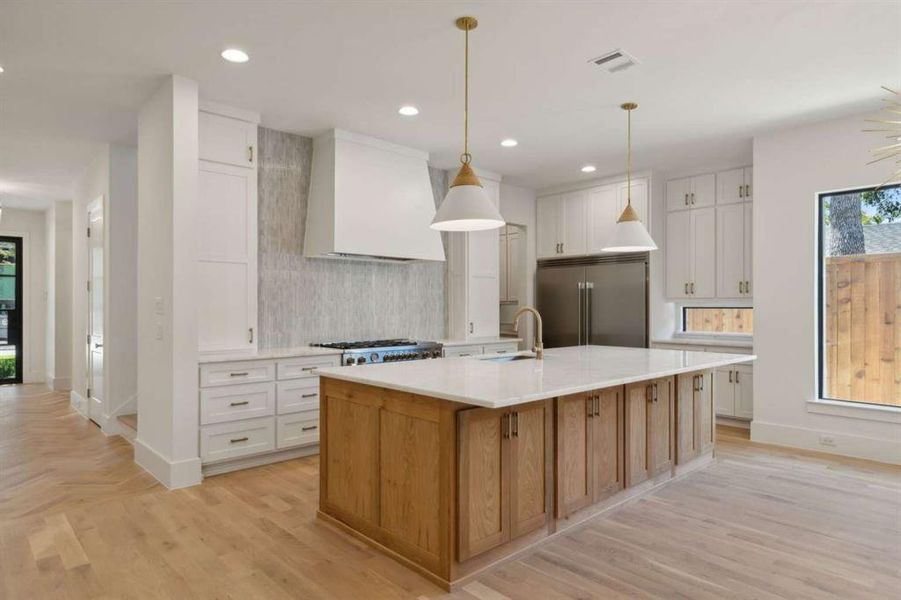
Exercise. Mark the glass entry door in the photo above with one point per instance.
(10, 310)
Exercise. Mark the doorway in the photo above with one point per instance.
(95, 383)
(10, 309)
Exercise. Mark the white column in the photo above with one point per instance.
(167, 441)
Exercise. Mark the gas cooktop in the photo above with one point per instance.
(377, 351)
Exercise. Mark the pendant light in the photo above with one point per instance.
(466, 206)
(629, 235)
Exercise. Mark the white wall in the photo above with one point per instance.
(517, 206)
(30, 226)
(112, 175)
(58, 319)
(790, 168)
(168, 421)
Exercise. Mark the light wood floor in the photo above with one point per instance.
(78, 519)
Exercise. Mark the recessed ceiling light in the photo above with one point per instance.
(509, 143)
(408, 111)
(588, 169)
(234, 55)
(1, 69)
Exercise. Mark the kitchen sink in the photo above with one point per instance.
(509, 358)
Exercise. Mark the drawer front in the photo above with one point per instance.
(505, 348)
(232, 440)
(450, 352)
(233, 373)
(297, 368)
(297, 395)
(299, 429)
(235, 402)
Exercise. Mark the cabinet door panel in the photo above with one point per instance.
(503, 268)
(574, 225)
(705, 423)
(686, 431)
(703, 190)
(749, 248)
(677, 191)
(603, 207)
(730, 251)
(226, 140)
(353, 457)
(546, 226)
(724, 392)
(636, 433)
(607, 443)
(678, 255)
(730, 186)
(483, 487)
(744, 391)
(703, 252)
(574, 448)
(515, 262)
(660, 428)
(529, 445)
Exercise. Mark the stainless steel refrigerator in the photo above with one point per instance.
(601, 301)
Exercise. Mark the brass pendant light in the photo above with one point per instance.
(466, 206)
(629, 235)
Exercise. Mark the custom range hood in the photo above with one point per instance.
(370, 200)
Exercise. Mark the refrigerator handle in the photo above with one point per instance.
(589, 298)
(581, 285)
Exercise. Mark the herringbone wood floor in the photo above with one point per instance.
(78, 519)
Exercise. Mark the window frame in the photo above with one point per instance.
(824, 404)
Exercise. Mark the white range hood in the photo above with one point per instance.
(370, 200)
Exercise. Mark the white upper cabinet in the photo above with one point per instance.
(227, 242)
(691, 254)
(691, 192)
(749, 248)
(603, 207)
(511, 261)
(227, 140)
(730, 249)
(582, 222)
(734, 185)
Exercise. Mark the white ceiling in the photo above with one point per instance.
(712, 75)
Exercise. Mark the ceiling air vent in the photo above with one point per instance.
(616, 61)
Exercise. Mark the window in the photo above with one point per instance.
(718, 319)
(860, 295)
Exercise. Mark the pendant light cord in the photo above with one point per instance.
(629, 158)
(466, 157)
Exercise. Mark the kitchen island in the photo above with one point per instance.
(452, 465)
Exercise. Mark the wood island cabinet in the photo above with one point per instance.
(648, 429)
(694, 415)
(589, 457)
(504, 477)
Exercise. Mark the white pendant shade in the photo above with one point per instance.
(467, 208)
(630, 236)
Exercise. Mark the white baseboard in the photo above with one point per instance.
(34, 377)
(886, 451)
(173, 475)
(259, 460)
(59, 384)
(78, 402)
(730, 422)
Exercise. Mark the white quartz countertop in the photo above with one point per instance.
(480, 382)
(477, 341)
(300, 351)
(709, 341)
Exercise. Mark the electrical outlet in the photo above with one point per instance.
(827, 440)
(158, 305)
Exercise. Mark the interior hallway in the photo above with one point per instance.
(79, 519)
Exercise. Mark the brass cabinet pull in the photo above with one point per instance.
(730, 375)
(308, 395)
(241, 374)
(692, 288)
(597, 406)
(589, 407)
(747, 190)
(250, 335)
(649, 392)
(686, 199)
(515, 418)
(692, 198)
(686, 289)
(736, 377)
(242, 403)
(309, 428)
(249, 153)
(240, 439)
(741, 191)
(505, 426)
(308, 368)
(655, 392)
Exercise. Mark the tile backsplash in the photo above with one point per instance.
(303, 300)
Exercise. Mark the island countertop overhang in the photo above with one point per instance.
(479, 382)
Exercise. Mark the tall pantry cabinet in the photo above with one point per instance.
(227, 238)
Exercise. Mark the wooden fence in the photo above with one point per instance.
(719, 320)
(863, 328)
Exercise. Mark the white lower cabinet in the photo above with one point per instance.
(733, 391)
(477, 349)
(298, 429)
(237, 439)
(279, 410)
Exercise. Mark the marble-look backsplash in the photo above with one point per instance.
(303, 300)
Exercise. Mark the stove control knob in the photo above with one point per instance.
(373, 357)
(361, 360)
(350, 361)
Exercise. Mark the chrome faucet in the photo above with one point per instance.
(539, 338)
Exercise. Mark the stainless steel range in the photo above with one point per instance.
(379, 351)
